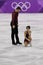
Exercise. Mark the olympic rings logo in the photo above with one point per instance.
(24, 6)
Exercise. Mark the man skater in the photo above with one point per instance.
(14, 26)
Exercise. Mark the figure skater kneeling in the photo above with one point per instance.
(27, 35)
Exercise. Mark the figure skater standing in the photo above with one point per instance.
(14, 26)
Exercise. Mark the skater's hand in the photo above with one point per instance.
(13, 26)
(28, 39)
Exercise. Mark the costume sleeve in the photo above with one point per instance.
(13, 18)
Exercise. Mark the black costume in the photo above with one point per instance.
(14, 30)
(27, 35)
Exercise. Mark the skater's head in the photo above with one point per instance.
(28, 28)
(18, 9)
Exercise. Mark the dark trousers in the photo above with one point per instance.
(14, 32)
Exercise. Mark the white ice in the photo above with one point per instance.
(20, 55)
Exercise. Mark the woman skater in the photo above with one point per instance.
(27, 35)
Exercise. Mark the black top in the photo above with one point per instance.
(14, 19)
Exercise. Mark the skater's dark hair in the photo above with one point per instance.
(18, 8)
(27, 27)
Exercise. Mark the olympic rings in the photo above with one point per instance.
(24, 6)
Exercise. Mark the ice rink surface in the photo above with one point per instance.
(20, 55)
